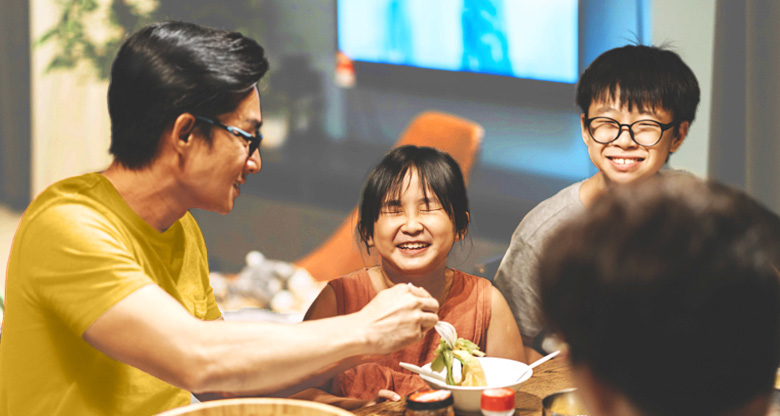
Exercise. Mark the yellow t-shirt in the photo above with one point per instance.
(79, 250)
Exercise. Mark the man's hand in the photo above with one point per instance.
(397, 317)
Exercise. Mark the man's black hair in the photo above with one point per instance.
(170, 68)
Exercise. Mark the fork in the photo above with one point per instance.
(447, 332)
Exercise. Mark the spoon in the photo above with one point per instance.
(447, 332)
(538, 362)
(423, 371)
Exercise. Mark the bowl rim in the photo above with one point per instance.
(240, 403)
(529, 372)
(547, 400)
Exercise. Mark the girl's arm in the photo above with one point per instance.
(321, 396)
(503, 337)
(325, 306)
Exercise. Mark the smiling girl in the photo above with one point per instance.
(413, 209)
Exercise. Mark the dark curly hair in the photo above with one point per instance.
(660, 284)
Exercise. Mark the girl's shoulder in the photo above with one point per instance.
(349, 282)
(353, 291)
(357, 275)
(467, 280)
(460, 274)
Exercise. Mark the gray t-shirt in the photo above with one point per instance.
(517, 277)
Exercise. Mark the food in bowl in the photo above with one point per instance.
(499, 372)
(464, 351)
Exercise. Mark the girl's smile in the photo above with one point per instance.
(413, 234)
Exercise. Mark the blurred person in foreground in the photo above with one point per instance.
(637, 104)
(668, 295)
(109, 309)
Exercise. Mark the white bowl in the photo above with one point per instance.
(499, 372)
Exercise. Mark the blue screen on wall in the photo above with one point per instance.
(529, 39)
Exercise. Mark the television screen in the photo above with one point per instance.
(529, 39)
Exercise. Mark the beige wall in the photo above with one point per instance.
(689, 27)
(70, 128)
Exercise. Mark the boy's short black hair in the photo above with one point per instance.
(641, 77)
(169, 68)
(437, 171)
(668, 291)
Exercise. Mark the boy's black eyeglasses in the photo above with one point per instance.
(254, 141)
(646, 133)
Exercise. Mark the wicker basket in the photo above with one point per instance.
(257, 407)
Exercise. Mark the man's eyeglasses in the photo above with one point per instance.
(254, 141)
(646, 133)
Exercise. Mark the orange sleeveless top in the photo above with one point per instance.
(467, 307)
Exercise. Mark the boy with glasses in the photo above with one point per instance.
(637, 103)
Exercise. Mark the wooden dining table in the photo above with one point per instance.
(548, 378)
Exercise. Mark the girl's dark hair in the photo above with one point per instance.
(170, 68)
(646, 76)
(437, 171)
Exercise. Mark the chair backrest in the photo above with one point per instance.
(459, 137)
(257, 407)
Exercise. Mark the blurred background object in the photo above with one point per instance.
(263, 283)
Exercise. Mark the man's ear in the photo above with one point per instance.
(182, 129)
(682, 133)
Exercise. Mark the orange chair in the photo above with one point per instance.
(340, 254)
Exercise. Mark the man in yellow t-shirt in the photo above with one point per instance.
(108, 305)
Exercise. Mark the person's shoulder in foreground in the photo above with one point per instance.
(681, 321)
(637, 104)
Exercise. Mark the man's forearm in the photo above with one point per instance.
(150, 330)
(262, 358)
